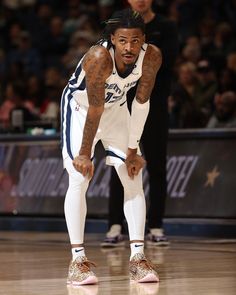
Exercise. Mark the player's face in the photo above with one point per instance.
(128, 43)
(142, 6)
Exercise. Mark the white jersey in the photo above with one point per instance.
(116, 87)
(74, 103)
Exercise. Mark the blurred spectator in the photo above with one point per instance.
(72, 21)
(15, 99)
(15, 71)
(222, 44)
(50, 105)
(13, 34)
(226, 10)
(182, 106)
(3, 68)
(227, 76)
(16, 4)
(206, 89)
(231, 61)
(80, 42)
(88, 24)
(173, 112)
(57, 42)
(227, 80)
(206, 32)
(39, 26)
(192, 51)
(225, 111)
(26, 55)
(34, 94)
(106, 8)
(53, 77)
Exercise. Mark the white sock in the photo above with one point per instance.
(135, 248)
(78, 251)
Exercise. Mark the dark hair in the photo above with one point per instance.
(126, 18)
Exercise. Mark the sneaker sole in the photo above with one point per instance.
(149, 278)
(91, 280)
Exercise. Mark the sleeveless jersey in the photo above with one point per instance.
(116, 87)
(74, 103)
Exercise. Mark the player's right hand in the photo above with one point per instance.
(84, 165)
(134, 163)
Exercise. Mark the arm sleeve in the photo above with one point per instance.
(139, 113)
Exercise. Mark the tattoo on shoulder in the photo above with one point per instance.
(98, 66)
(151, 64)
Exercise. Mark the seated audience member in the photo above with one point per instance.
(15, 100)
(225, 111)
(35, 94)
(227, 80)
(26, 54)
(182, 107)
(80, 42)
(53, 83)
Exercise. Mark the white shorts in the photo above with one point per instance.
(113, 131)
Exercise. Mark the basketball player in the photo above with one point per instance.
(93, 108)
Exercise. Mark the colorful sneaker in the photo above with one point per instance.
(79, 272)
(141, 270)
(157, 238)
(114, 238)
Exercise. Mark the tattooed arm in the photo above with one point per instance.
(97, 65)
(140, 108)
(151, 64)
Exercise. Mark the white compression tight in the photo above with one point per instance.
(75, 203)
(134, 202)
(75, 206)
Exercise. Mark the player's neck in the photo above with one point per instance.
(124, 70)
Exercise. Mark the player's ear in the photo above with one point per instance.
(112, 39)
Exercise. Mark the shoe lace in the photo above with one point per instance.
(142, 263)
(84, 266)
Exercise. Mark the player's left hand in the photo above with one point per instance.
(134, 164)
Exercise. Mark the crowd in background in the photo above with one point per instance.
(42, 40)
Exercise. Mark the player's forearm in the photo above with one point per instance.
(139, 113)
(90, 130)
(141, 104)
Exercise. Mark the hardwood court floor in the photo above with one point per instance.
(33, 263)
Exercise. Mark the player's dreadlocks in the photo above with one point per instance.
(126, 18)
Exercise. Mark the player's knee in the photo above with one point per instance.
(77, 180)
(133, 190)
